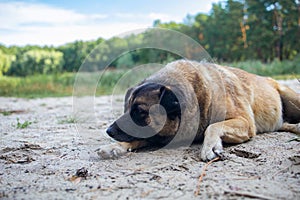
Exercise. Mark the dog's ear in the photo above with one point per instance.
(128, 98)
(170, 102)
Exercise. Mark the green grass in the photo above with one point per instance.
(22, 125)
(118, 81)
(274, 69)
(68, 120)
(5, 113)
(37, 86)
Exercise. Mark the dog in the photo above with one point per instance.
(189, 101)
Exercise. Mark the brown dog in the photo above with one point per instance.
(189, 101)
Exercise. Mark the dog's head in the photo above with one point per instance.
(152, 112)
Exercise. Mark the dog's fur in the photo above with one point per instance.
(232, 106)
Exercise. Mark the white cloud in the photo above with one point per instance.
(162, 17)
(125, 15)
(27, 23)
(151, 16)
(14, 14)
(59, 35)
(24, 23)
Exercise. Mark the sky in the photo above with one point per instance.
(55, 22)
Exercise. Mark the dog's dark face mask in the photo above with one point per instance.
(151, 112)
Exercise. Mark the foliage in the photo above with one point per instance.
(37, 62)
(253, 30)
(62, 84)
(5, 113)
(37, 85)
(266, 31)
(75, 53)
(23, 125)
(5, 62)
(68, 120)
(125, 61)
(273, 68)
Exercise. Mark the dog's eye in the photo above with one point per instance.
(139, 111)
(142, 112)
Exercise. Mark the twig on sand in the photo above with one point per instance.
(197, 192)
(247, 194)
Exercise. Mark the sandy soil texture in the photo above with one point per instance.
(43, 156)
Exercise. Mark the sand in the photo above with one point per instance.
(51, 158)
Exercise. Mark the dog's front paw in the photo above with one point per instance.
(111, 151)
(212, 148)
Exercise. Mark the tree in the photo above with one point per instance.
(220, 32)
(234, 30)
(5, 62)
(274, 28)
(37, 62)
(75, 53)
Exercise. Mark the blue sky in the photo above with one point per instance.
(46, 22)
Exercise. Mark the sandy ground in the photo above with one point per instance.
(50, 159)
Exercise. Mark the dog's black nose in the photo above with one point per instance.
(113, 130)
(109, 131)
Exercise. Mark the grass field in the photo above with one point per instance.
(62, 84)
(273, 69)
(37, 86)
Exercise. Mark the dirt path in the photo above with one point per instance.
(40, 161)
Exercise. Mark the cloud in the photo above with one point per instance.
(59, 35)
(24, 23)
(151, 16)
(15, 14)
(30, 23)
(161, 16)
(125, 15)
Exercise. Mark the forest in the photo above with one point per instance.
(260, 36)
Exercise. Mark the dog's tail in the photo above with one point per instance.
(290, 108)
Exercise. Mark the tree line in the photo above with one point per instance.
(234, 30)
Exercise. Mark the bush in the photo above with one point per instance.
(37, 62)
(269, 69)
(8, 85)
(5, 62)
